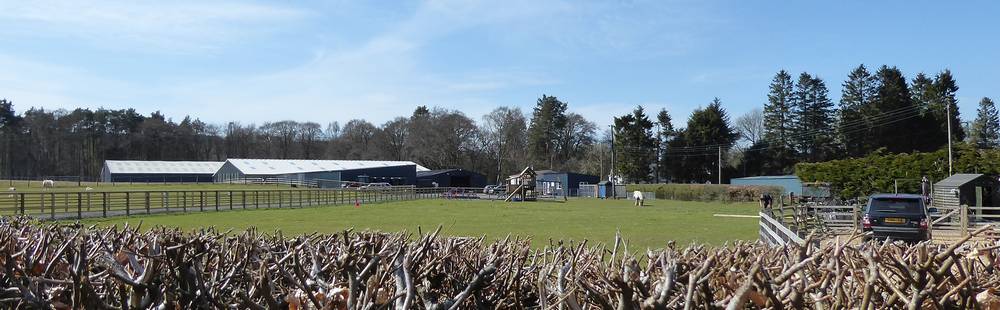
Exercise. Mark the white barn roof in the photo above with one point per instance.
(162, 167)
(288, 166)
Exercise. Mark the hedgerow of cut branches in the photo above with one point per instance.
(70, 267)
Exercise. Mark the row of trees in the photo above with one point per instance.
(799, 123)
(40, 142)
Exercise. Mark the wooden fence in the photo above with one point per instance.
(90, 204)
(785, 224)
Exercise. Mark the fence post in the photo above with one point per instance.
(79, 205)
(52, 205)
(147, 202)
(216, 200)
(128, 197)
(256, 200)
(201, 204)
(243, 199)
(230, 200)
(279, 199)
(965, 219)
(184, 201)
(166, 201)
(104, 204)
(22, 203)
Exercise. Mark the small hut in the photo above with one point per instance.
(521, 186)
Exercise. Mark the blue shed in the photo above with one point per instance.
(790, 183)
(562, 180)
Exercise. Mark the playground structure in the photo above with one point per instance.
(521, 187)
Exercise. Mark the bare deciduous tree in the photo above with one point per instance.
(751, 126)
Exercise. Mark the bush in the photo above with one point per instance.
(875, 173)
(707, 192)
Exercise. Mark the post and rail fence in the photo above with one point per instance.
(55, 205)
(784, 224)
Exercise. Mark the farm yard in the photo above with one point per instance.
(595, 220)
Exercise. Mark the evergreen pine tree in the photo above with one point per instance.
(635, 146)
(945, 96)
(548, 120)
(664, 137)
(778, 110)
(813, 122)
(893, 112)
(857, 95)
(778, 123)
(932, 128)
(693, 162)
(985, 130)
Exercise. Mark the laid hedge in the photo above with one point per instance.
(876, 172)
(706, 192)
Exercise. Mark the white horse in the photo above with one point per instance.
(11, 190)
(637, 195)
(48, 184)
(88, 189)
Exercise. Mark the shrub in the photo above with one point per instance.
(706, 192)
(877, 172)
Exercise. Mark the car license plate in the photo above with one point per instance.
(895, 220)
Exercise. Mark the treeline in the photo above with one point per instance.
(880, 110)
(39, 143)
(799, 123)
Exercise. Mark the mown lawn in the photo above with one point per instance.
(578, 219)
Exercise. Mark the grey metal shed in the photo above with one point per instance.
(961, 189)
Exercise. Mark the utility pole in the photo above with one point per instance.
(659, 140)
(720, 165)
(611, 173)
(948, 119)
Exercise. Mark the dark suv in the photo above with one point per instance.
(897, 217)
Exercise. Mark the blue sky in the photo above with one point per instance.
(337, 60)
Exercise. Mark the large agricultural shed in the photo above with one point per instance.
(325, 173)
(790, 183)
(450, 178)
(143, 171)
(551, 181)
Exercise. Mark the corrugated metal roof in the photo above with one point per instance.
(162, 167)
(428, 173)
(956, 180)
(288, 166)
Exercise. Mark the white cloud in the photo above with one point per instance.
(169, 26)
(377, 79)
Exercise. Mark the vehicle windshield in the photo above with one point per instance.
(895, 205)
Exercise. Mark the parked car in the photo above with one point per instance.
(490, 189)
(897, 217)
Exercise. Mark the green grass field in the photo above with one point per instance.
(578, 219)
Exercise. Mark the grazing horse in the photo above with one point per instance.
(11, 190)
(48, 184)
(637, 195)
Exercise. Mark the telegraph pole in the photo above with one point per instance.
(611, 172)
(659, 140)
(720, 165)
(948, 119)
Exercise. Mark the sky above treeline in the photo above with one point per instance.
(327, 61)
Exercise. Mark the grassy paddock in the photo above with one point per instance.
(577, 219)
